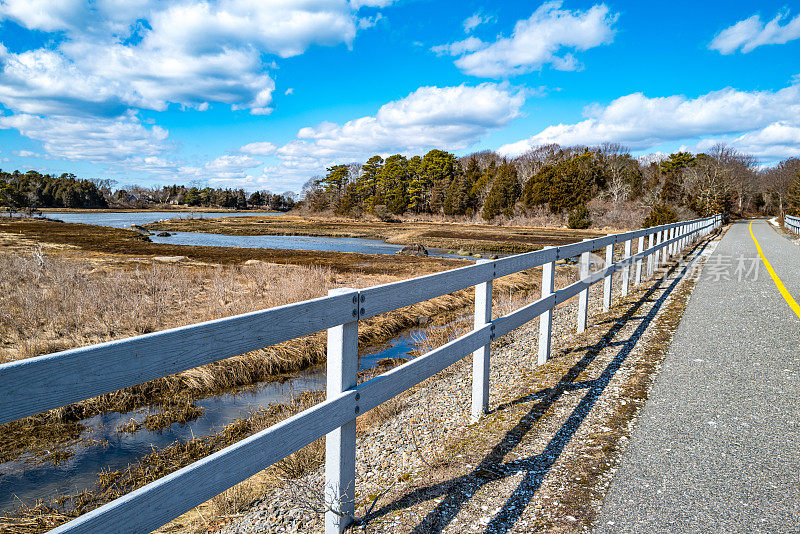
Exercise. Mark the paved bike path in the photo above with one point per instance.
(717, 447)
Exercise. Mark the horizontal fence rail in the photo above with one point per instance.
(38, 384)
(792, 223)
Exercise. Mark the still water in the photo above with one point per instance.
(109, 450)
(126, 219)
(286, 242)
(104, 449)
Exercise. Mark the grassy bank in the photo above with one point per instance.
(99, 241)
(69, 285)
(447, 320)
(438, 234)
(49, 303)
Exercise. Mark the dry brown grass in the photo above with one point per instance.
(51, 303)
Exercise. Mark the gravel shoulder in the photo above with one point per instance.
(543, 457)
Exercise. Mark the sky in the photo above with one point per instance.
(265, 94)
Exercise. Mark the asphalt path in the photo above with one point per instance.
(717, 446)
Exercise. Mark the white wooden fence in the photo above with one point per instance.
(34, 385)
(792, 223)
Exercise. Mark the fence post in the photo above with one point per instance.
(650, 258)
(480, 358)
(607, 281)
(626, 272)
(676, 246)
(657, 253)
(340, 444)
(583, 296)
(546, 319)
(671, 249)
(682, 243)
(639, 248)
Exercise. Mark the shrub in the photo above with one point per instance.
(579, 218)
(661, 213)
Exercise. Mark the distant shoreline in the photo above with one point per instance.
(139, 210)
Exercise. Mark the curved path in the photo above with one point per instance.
(717, 447)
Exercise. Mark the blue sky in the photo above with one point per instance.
(266, 94)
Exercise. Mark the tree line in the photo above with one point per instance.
(574, 183)
(207, 197)
(560, 180)
(31, 191)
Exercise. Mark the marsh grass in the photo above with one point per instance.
(50, 303)
(198, 293)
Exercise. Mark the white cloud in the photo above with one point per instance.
(777, 140)
(451, 118)
(472, 22)
(539, 40)
(279, 27)
(43, 81)
(44, 14)
(123, 140)
(230, 166)
(470, 44)
(25, 154)
(289, 91)
(157, 77)
(261, 148)
(106, 58)
(750, 33)
(641, 122)
(365, 23)
(114, 54)
(357, 4)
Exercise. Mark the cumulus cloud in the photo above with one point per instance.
(108, 57)
(261, 148)
(451, 118)
(750, 33)
(543, 39)
(641, 122)
(357, 4)
(45, 15)
(229, 166)
(122, 140)
(775, 141)
(157, 77)
(148, 54)
(108, 81)
(25, 154)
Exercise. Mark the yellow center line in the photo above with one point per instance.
(782, 288)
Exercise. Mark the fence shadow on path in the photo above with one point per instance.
(458, 491)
